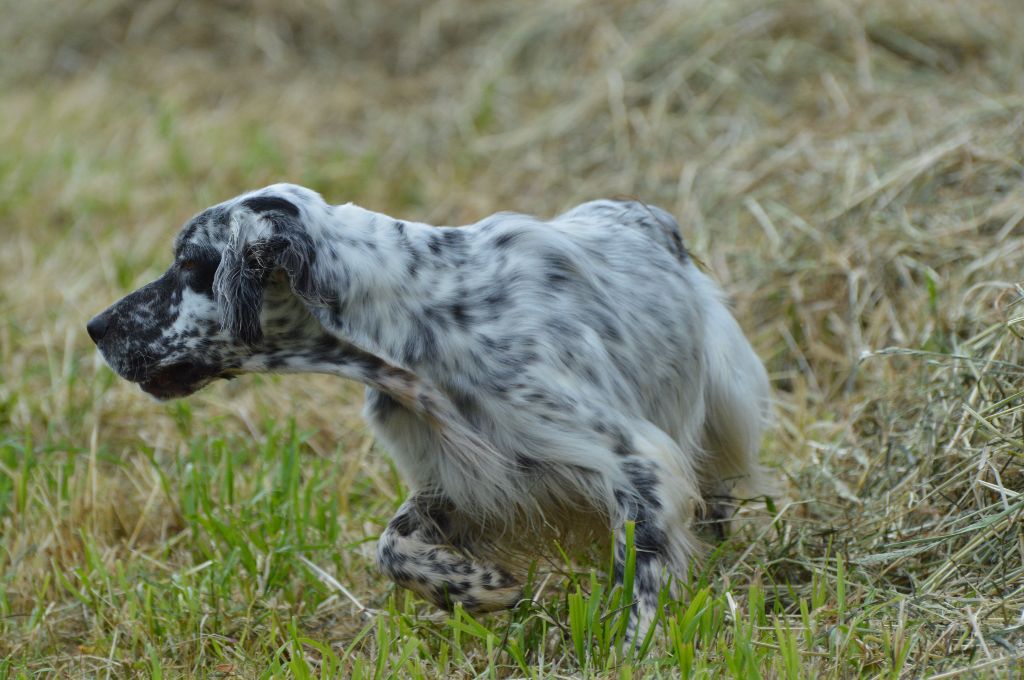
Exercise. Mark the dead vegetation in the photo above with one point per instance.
(851, 171)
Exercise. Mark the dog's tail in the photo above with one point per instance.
(737, 397)
(737, 401)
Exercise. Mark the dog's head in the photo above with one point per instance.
(236, 298)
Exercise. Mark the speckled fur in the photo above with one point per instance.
(523, 373)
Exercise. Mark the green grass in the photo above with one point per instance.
(850, 172)
(242, 602)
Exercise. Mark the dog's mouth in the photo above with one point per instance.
(180, 379)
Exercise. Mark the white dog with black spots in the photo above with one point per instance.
(530, 377)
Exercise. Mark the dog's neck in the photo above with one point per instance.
(384, 274)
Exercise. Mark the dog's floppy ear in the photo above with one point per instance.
(252, 254)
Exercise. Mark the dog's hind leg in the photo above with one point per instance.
(663, 540)
(719, 507)
(419, 551)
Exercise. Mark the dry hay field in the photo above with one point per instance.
(851, 171)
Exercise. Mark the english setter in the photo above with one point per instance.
(530, 377)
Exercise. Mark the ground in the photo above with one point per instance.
(851, 172)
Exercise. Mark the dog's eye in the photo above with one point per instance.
(198, 272)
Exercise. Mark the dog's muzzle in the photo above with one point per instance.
(178, 379)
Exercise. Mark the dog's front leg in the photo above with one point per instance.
(416, 551)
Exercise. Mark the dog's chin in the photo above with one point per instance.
(179, 380)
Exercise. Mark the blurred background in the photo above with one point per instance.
(850, 171)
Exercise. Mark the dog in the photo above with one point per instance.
(529, 377)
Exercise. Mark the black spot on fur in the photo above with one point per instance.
(507, 239)
(412, 267)
(459, 315)
(453, 236)
(680, 249)
(403, 524)
(644, 481)
(435, 244)
(421, 344)
(649, 539)
(607, 326)
(465, 403)
(526, 463)
(262, 204)
(559, 269)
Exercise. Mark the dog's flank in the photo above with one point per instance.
(521, 372)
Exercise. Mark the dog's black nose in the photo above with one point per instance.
(97, 327)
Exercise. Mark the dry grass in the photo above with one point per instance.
(851, 172)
